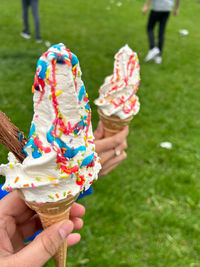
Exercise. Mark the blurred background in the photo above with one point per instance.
(146, 211)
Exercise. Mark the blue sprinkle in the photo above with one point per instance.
(70, 152)
(41, 63)
(74, 60)
(57, 46)
(87, 160)
(32, 130)
(20, 136)
(87, 107)
(81, 93)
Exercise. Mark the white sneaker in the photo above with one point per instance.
(38, 41)
(25, 35)
(158, 59)
(152, 54)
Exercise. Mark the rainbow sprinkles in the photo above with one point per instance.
(60, 152)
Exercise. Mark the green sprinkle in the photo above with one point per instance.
(37, 179)
(64, 194)
(50, 197)
(50, 97)
(60, 134)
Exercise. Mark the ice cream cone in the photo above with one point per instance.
(51, 213)
(113, 124)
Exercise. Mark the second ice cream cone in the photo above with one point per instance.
(51, 213)
(113, 124)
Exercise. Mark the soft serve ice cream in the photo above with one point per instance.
(117, 96)
(60, 152)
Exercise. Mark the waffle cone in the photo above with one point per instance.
(113, 124)
(51, 213)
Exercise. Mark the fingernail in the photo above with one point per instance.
(65, 229)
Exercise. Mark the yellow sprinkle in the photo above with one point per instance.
(58, 92)
(51, 179)
(11, 166)
(64, 176)
(47, 73)
(85, 141)
(74, 66)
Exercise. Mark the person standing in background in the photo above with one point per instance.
(35, 12)
(160, 11)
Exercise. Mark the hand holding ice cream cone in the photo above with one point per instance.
(18, 222)
(110, 149)
(59, 157)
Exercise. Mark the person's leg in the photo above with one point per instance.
(150, 28)
(164, 16)
(25, 5)
(35, 12)
(153, 51)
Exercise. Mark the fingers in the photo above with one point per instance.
(111, 142)
(12, 205)
(30, 227)
(5, 244)
(77, 210)
(104, 172)
(45, 245)
(99, 133)
(28, 214)
(113, 163)
(72, 239)
(112, 153)
(78, 223)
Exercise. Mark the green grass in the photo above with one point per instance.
(145, 212)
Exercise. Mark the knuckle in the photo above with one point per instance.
(48, 245)
(124, 155)
(125, 145)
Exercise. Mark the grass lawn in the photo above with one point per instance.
(147, 211)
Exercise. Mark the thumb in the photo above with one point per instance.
(44, 246)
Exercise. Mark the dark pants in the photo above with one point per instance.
(160, 17)
(35, 13)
